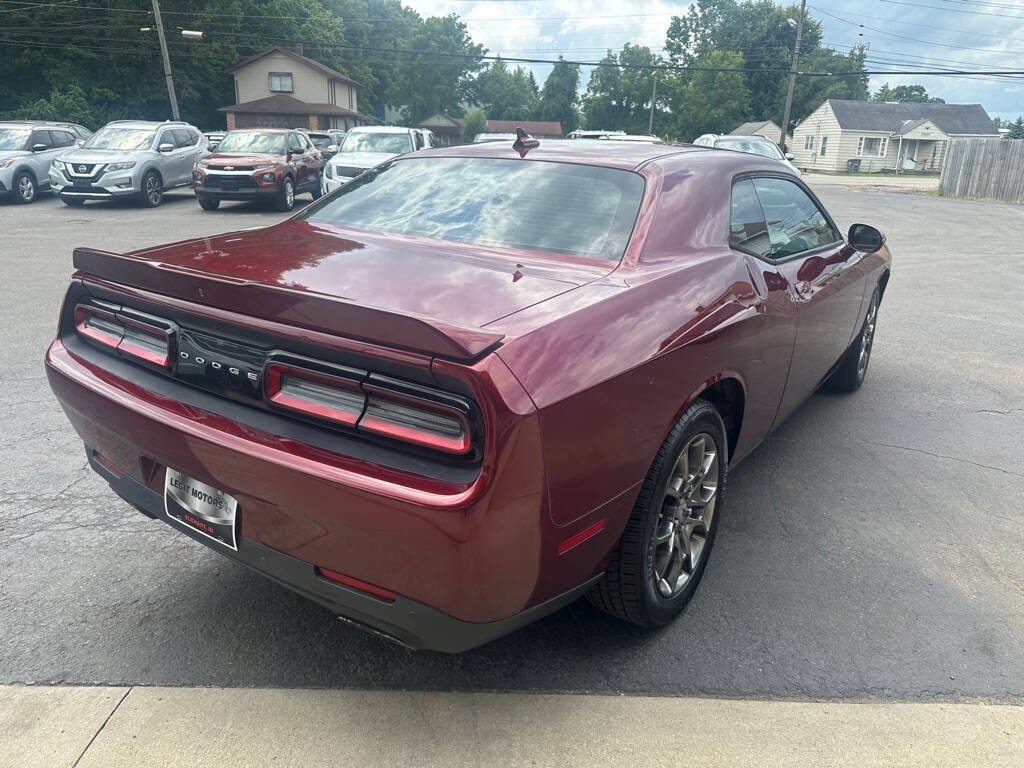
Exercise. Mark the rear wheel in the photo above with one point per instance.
(74, 202)
(152, 190)
(209, 203)
(850, 374)
(667, 542)
(285, 199)
(24, 188)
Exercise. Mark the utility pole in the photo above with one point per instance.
(792, 75)
(167, 60)
(654, 95)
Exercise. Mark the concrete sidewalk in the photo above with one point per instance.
(85, 727)
(877, 183)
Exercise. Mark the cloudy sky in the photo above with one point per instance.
(903, 34)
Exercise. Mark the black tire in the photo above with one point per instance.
(152, 190)
(284, 200)
(25, 189)
(209, 203)
(628, 589)
(317, 191)
(849, 376)
(74, 202)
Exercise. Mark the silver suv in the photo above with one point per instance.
(129, 158)
(26, 151)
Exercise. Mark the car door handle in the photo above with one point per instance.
(802, 288)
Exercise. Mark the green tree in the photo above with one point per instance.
(619, 98)
(706, 101)
(1016, 129)
(426, 84)
(506, 94)
(905, 93)
(475, 123)
(559, 97)
(69, 104)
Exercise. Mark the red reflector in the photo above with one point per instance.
(98, 325)
(362, 586)
(315, 394)
(582, 536)
(107, 463)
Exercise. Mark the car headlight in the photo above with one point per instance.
(328, 171)
(56, 164)
(265, 167)
(121, 166)
(267, 176)
(7, 163)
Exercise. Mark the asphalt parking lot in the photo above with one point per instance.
(872, 547)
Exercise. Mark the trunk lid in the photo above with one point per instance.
(428, 295)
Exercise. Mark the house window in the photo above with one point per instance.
(351, 94)
(332, 92)
(872, 146)
(809, 142)
(824, 144)
(281, 82)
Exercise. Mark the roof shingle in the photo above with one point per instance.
(884, 116)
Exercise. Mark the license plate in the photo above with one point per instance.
(201, 507)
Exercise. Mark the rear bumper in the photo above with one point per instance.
(408, 622)
(469, 560)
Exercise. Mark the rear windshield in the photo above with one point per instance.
(751, 146)
(259, 143)
(121, 138)
(579, 210)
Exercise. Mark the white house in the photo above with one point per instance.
(767, 128)
(281, 88)
(884, 135)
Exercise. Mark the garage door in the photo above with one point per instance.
(257, 120)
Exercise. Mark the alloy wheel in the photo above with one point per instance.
(687, 509)
(289, 193)
(153, 190)
(867, 337)
(26, 189)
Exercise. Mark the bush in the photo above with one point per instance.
(475, 122)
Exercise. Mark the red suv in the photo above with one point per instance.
(272, 164)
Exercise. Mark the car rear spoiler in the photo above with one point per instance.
(314, 311)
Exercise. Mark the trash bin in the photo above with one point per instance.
(853, 166)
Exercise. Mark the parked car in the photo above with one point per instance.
(641, 137)
(268, 164)
(326, 141)
(213, 138)
(483, 138)
(757, 145)
(129, 158)
(26, 151)
(81, 132)
(581, 134)
(367, 146)
(470, 387)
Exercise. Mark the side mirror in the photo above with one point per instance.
(865, 238)
(39, 147)
(165, 147)
(331, 148)
(298, 151)
(79, 143)
(789, 155)
(211, 147)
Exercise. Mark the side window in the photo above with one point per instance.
(61, 138)
(182, 137)
(166, 137)
(40, 137)
(795, 223)
(747, 229)
(295, 143)
(417, 137)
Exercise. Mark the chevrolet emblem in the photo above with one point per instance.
(229, 167)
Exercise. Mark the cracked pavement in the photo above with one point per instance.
(871, 547)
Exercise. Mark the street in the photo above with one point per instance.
(870, 548)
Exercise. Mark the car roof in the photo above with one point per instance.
(262, 130)
(35, 124)
(612, 154)
(379, 129)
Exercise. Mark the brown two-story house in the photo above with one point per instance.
(281, 88)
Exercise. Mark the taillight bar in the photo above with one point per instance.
(367, 406)
(128, 336)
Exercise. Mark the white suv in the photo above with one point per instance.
(368, 146)
(26, 151)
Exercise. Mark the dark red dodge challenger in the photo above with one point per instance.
(471, 385)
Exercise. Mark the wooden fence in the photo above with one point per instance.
(988, 169)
